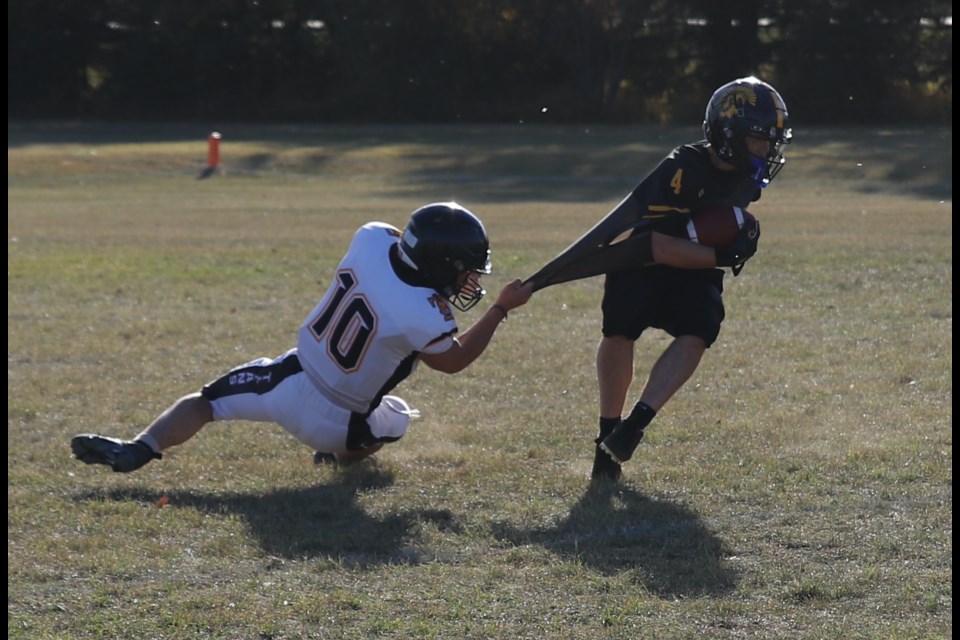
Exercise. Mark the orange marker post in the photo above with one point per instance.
(213, 155)
(213, 150)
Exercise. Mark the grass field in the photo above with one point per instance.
(799, 487)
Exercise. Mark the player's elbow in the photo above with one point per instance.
(445, 363)
(448, 368)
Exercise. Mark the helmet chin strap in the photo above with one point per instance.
(759, 175)
(766, 169)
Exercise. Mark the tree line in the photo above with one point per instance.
(834, 61)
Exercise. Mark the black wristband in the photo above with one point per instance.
(502, 310)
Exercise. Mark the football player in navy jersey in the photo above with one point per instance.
(389, 307)
(658, 278)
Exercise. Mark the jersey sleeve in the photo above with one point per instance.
(441, 345)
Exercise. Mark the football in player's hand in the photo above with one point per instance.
(719, 226)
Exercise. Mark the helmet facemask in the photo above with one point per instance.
(772, 164)
(761, 169)
(468, 292)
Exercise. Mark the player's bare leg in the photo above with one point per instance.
(180, 422)
(614, 376)
(670, 372)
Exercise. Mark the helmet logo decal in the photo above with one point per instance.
(733, 102)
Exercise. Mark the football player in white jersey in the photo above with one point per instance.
(387, 309)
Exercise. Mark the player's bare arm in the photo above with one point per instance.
(468, 346)
(680, 252)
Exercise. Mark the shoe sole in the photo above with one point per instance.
(84, 449)
(613, 455)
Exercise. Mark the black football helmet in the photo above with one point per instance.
(748, 107)
(444, 242)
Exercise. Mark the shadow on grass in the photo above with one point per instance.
(613, 529)
(320, 521)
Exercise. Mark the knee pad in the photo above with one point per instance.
(390, 420)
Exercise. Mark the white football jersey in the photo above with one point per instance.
(362, 338)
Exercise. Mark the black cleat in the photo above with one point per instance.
(319, 457)
(605, 467)
(120, 455)
(622, 442)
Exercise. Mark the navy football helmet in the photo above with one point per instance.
(748, 107)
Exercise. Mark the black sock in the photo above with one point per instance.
(607, 425)
(641, 415)
(143, 454)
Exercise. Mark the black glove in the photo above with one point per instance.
(740, 250)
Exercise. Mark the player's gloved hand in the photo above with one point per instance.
(740, 250)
